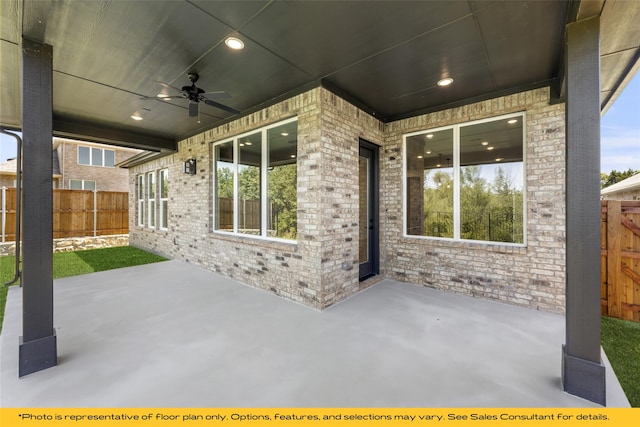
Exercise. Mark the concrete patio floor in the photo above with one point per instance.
(175, 335)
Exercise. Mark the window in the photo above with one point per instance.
(82, 184)
(140, 199)
(466, 182)
(255, 182)
(164, 199)
(109, 158)
(151, 199)
(92, 156)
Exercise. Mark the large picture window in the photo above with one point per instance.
(466, 182)
(255, 182)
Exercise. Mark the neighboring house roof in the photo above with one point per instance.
(630, 184)
(9, 167)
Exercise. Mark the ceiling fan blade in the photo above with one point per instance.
(166, 98)
(193, 109)
(220, 94)
(168, 86)
(221, 106)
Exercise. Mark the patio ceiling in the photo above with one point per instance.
(384, 56)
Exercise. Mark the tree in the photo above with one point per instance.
(488, 211)
(224, 182)
(283, 198)
(249, 182)
(475, 198)
(505, 209)
(438, 203)
(614, 177)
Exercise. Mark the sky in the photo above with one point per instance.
(619, 127)
(620, 131)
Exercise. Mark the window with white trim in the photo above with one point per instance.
(255, 182)
(164, 198)
(140, 199)
(93, 156)
(82, 184)
(151, 199)
(466, 182)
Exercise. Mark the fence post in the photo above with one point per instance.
(4, 211)
(614, 259)
(95, 212)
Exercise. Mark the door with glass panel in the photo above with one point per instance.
(368, 247)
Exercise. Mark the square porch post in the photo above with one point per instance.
(37, 349)
(583, 373)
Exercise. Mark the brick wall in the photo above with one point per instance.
(342, 127)
(321, 268)
(290, 270)
(106, 178)
(532, 276)
(7, 180)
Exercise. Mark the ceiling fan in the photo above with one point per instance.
(195, 94)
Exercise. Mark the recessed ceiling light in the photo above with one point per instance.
(285, 134)
(430, 135)
(234, 43)
(438, 165)
(428, 152)
(241, 144)
(512, 121)
(445, 82)
(247, 143)
(419, 157)
(499, 159)
(489, 148)
(162, 95)
(293, 156)
(485, 143)
(136, 116)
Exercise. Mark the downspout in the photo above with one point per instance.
(18, 203)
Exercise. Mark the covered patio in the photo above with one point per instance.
(175, 335)
(119, 73)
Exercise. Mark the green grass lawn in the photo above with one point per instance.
(621, 342)
(67, 264)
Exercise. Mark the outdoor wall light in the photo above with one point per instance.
(189, 167)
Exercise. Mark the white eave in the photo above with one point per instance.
(629, 184)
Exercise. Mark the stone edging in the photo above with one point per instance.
(69, 244)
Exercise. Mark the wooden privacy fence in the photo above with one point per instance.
(76, 213)
(620, 259)
(248, 215)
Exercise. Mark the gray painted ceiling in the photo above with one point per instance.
(385, 56)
